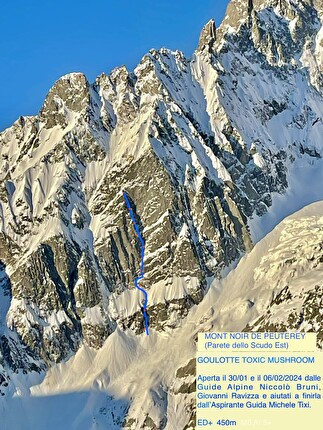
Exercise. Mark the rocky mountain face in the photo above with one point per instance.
(148, 382)
(200, 145)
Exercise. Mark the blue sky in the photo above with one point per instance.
(43, 40)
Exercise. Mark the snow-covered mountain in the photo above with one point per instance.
(213, 152)
(132, 383)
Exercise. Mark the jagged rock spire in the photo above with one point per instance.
(208, 36)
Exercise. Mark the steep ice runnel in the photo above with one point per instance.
(142, 264)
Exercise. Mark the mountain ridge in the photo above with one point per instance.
(204, 147)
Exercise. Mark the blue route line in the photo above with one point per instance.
(142, 264)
